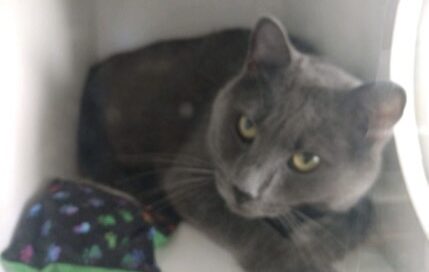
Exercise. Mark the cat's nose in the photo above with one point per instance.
(240, 196)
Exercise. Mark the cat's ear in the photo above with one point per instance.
(269, 45)
(382, 104)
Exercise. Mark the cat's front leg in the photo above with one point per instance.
(278, 254)
(312, 246)
(332, 237)
(255, 244)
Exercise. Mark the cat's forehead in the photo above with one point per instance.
(305, 92)
(305, 101)
(309, 90)
(313, 72)
(307, 78)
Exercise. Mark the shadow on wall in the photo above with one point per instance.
(64, 65)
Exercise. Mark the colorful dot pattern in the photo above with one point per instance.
(83, 225)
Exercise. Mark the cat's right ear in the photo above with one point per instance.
(377, 106)
(269, 46)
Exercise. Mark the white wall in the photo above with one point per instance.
(45, 49)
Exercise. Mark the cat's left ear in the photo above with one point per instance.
(269, 45)
(381, 103)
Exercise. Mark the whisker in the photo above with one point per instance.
(293, 224)
(321, 227)
(166, 157)
(167, 200)
(182, 189)
(176, 162)
(158, 170)
(153, 192)
(307, 247)
(181, 163)
(193, 169)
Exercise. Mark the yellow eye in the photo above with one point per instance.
(304, 162)
(246, 128)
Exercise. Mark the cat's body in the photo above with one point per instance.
(133, 101)
(190, 97)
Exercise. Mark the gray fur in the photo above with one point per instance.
(299, 103)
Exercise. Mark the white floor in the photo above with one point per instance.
(189, 250)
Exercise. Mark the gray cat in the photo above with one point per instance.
(289, 131)
(279, 159)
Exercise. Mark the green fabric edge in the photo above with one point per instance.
(55, 267)
(159, 239)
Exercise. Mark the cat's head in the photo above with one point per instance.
(292, 130)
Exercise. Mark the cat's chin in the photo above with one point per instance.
(253, 210)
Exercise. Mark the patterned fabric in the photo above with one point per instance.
(77, 224)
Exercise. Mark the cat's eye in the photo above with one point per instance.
(304, 162)
(246, 128)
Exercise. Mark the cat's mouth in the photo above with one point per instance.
(251, 208)
(244, 206)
